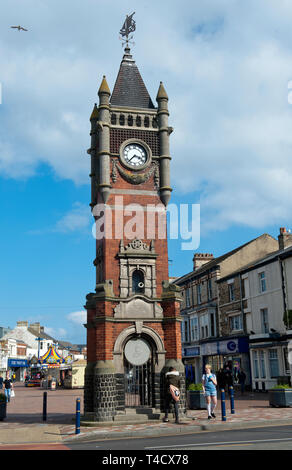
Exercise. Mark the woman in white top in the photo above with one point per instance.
(209, 383)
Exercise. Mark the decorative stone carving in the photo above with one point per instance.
(105, 289)
(114, 174)
(138, 308)
(137, 245)
(133, 178)
(137, 255)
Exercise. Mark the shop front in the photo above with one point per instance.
(270, 362)
(231, 352)
(193, 366)
(18, 367)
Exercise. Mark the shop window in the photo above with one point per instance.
(262, 364)
(274, 364)
(255, 365)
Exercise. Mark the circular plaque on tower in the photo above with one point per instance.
(137, 351)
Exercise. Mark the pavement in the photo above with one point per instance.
(24, 423)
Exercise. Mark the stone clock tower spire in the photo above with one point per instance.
(133, 318)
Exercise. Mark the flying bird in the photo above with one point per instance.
(20, 28)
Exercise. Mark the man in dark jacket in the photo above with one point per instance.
(171, 378)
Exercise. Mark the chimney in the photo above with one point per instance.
(285, 238)
(36, 327)
(22, 324)
(200, 259)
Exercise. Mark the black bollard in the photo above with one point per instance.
(223, 407)
(231, 391)
(77, 430)
(45, 407)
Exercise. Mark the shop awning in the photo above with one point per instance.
(17, 362)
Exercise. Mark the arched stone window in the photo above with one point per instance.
(122, 120)
(138, 121)
(146, 121)
(130, 120)
(138, 282)
(114, 119)
(154, 123)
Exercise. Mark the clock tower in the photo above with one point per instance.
(133, 317)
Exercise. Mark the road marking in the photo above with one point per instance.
(221, 443)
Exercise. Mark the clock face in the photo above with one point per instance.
(135, 155)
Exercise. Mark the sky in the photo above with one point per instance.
(227, 68)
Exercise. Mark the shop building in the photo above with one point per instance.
(255, 301)
(206, 337)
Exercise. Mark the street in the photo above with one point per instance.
(265, 427)
(262, 438)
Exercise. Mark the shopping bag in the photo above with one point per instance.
(175, 393)
(12, 394)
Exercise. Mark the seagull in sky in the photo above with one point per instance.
(20, 28)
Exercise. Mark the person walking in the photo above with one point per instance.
(209, 383)
(172, 381)
(221, 379)
(228, 378)
(8, 385)
(241, 379)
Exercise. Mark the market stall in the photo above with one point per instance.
(50, 364)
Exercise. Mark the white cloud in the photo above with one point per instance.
(76, 219)
(56, 333)
(77, 317)
(225, 65)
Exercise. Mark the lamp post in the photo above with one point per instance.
(39, 340)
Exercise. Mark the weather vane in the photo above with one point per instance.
(128, 27)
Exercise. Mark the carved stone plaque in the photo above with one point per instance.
(137, 352)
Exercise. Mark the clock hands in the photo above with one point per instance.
(136, 156)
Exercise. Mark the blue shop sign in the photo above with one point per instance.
(17, 363)
(192, 351)
(230, 346)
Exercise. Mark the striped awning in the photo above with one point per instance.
(52, 358)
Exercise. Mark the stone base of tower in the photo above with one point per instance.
(112, 383)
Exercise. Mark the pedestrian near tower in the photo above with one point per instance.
(209, 383)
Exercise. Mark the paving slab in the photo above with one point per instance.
(24, 422)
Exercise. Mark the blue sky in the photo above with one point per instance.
(226, 66)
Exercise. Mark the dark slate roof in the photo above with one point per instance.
(129, 89)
